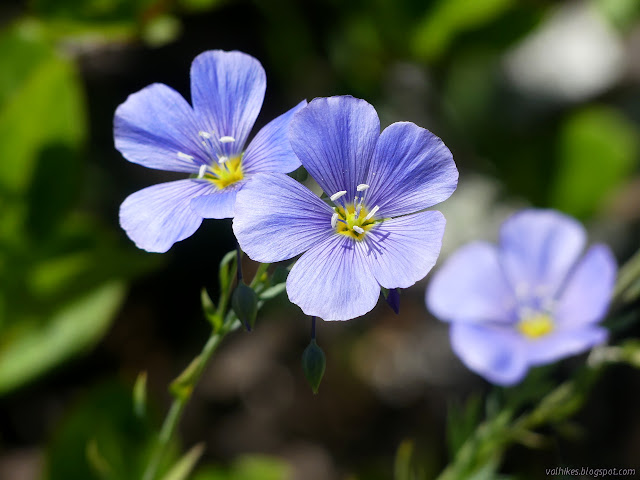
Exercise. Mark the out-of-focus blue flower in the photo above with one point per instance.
(371, 232)
(529, 301)
(157, 128)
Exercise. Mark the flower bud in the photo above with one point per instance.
(245, 305)
(313, 364)
(393, 299)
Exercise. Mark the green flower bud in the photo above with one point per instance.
(313, 364)
(245, 305)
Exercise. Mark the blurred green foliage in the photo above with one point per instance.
(54, 302)
(597, 154)
(102, 438)
(250, 467)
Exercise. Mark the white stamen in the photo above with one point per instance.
(337, 195)
(203, 168)
(227, 139)
(222, 159)
(184, 156)
(334, 220)
(358, 229)
(372, 213)
(204, 134)
(362, 187)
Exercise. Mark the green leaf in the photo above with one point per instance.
(45, 89)
(140, 395)
(101, 438)
(403, 466)
(448, 18)
(598, 149)
(462, 420)
(260, 467)
(273, 292)
(251, 467)
(227, 270)
(182, 386)
(29, 349)
(183, 467)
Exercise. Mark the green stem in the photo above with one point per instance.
(174, 415)
(262, 268)
(188, 380)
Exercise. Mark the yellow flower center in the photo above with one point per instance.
(536, 326)
(352, 221)
(225, 173)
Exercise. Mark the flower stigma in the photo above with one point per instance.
(224, 169)
(536, 325)
(352, 219)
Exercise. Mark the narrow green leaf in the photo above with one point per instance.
(28, 350)
(140, 395)
(273, 292)
(448, 18)
(182, 386)
(183, 467)
(226, 271)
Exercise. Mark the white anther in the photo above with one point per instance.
(362, 187)
(204, 134)
(184, 156)
(222, 159)
(203, 168)
(372, 213)
(337, 195)
(334, 220)
(227, 139)
(358, 229)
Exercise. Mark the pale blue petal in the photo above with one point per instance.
(158, 216)
(270, 150)
(277, 218)
(494, 353)
(153, 125)
(411, 170)
(227, 90)
(588, 290)
(471, 287)
(217, 203)
(563, 343)
(401, 251)
(334, 139)
(332, 280)
(538, 248)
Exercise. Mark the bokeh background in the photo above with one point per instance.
(539, 102)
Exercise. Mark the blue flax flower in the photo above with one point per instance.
(371, 231)
(529, 301)
(157, 128)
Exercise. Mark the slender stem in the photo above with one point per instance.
(313, 328)
(174, 415)
(258, 276)
(239, 262)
